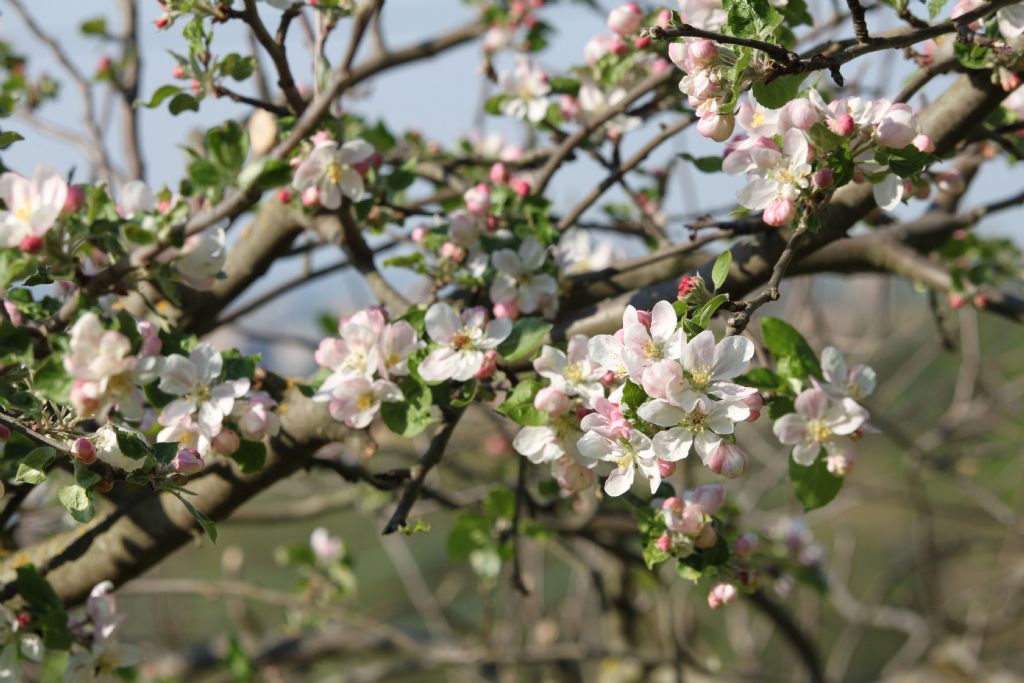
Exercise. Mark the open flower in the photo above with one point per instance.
(106, 374)
(628, 454)
(550, 442)
(105, 656)
(397, 342)
(710, 367)
(857, 382)
(464, 340)
(330, 169)
(820, 422)
(703, 427)
(203, 257)
(519, 278)
(356, 400)
(33, 205)
(572, 373)
(527, 88)
(204, 403)
(356, 351)
(644, 344)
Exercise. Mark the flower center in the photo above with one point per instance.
(365, 401)
(818, 431)
(695, 423)
(652, 350)
(393, 359)
(462, 340)
(333, 172)
(24, 213)
(700, 377)
(574, 373)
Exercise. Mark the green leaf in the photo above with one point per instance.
(493, 105)
(702, 316)
(814, 486)
(32, 469)
(265, 174)
(720, 271)
(96, 26)
(518, 405)
(204, 173)
(183, 102)
(763, 379)
(164, 451)
(793, 355)
(228, 145)
(934, 7)
(250, 456)
(779, 91)
(51, 381)
(15, 343)
(409, 417)
(561, 85)
(161, 94)
(75, 499)
(84, 476)
(526, 337)
(779, 406)
(131, 445)
(205, 522)
(909, 161)
(8, 138)
(44, 607)
(704, 164)
(633, 395)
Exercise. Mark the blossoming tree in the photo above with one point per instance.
(623, 396)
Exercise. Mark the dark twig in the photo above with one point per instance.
(427, 462)
(739, 322)
(860, 24)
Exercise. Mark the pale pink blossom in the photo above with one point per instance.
(354, 399)
(33, 205)
(463, 341)
(820, 421)
(331, 170)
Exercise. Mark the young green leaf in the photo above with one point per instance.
(526, 336)
(814, 486)
(793, 355)
(720, 271)
(32, 470)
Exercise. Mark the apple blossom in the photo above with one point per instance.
(463, 341)
(84, 450)
(326, 548)
(625, 19)
(203, 401)
(354, 399)
(478, 199)
(136, 197)
(187, 461)
(106, 376)
(571, 372)
(331, 170)
(256, 418)
(711, 366)
(519, 277)
(629, 451)
(646, 344)
(701, 427)
(356, 351)
(722, 594)
(202, 258)
(33, 205)
(527, 89)
(726, 459)
(820, 421)
(857, 382)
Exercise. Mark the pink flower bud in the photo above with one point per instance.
(644, 318)
(680, 55)
(980, 300)
(75, 199)
(823, 178)
(747, 543)
(499, 173)
(162, 21)
(227, 442)
(664, 543)
(842, 125)
(187, 461)
(666, 467)
(717, 127)
(178, 72)
(625, 19)
(617, 47)
(311, 197)
(923, 143)
(569, 106)
(660, 66)
(780, 212)
(957, 300)
(492, 223)
(551, 400)
(702, 52)
(664, 17)
(727, 460)
(801, 114)
(418, 234)
(31, 244)
(84, 450)
(755, 403)
(489, 365)
(478, 199)
(506, 309)
(453, 252)
(722, 594)
(195, 86)
(284, 196)
(5, 434)
(520, 186)
(641, 42)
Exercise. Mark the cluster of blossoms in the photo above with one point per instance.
(689, 400)
(527, 89)
(107, 376)
(364, 361)
(502, 34)
(781, 163)
(706, 84)
(828, 415)
(688, 520)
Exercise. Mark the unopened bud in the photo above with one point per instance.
(187, 461)
(84, 450)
